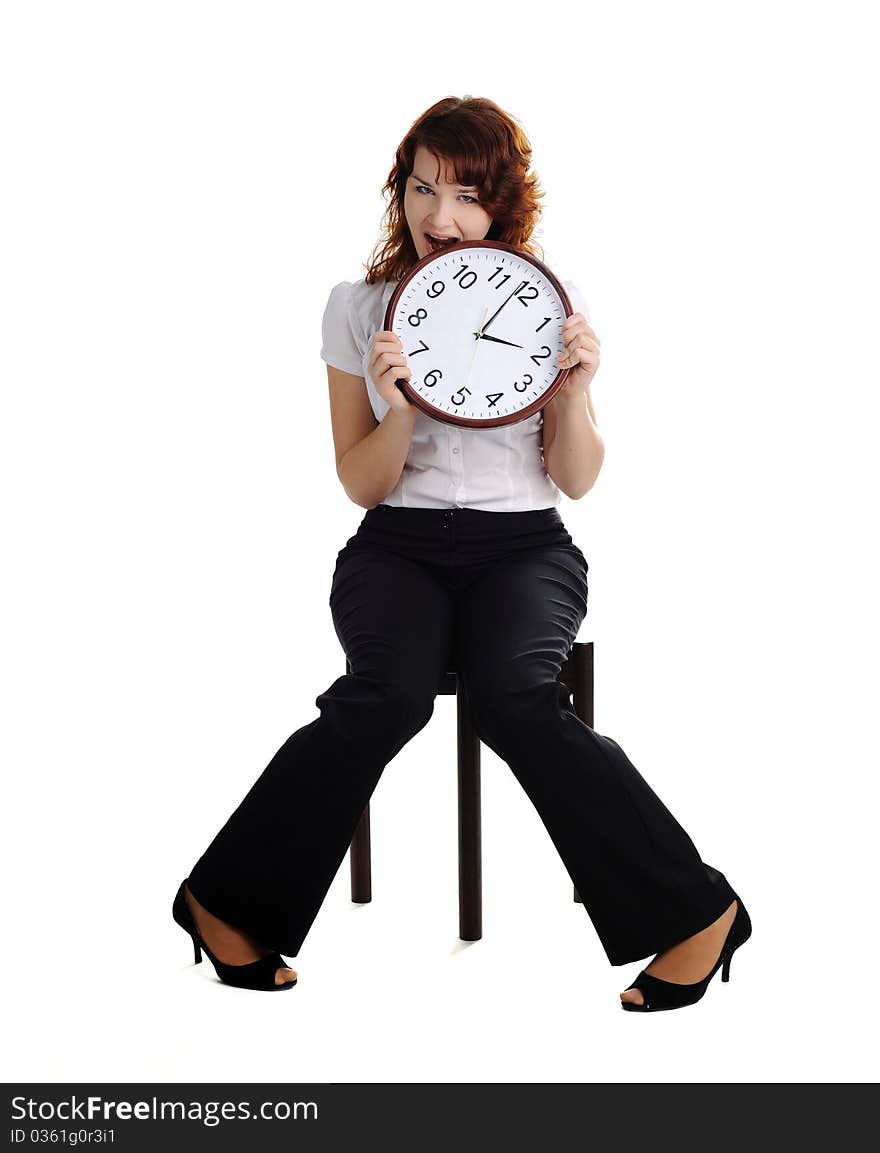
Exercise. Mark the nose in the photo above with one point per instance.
(442, 218)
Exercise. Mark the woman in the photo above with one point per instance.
(461, 535)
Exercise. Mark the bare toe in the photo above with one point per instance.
(634, 995)
(282, 976)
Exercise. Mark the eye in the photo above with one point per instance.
(420, 187)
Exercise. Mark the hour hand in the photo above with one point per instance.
(496, 339)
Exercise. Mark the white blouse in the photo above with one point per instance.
(496, 469)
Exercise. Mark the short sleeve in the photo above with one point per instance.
(578, 301)
(339, 347)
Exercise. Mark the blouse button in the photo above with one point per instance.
(455, 450)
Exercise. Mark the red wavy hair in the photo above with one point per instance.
(485, 147)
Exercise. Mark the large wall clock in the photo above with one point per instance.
(481, 326)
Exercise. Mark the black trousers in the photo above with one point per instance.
(505, 593)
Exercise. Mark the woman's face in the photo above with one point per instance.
(434, 204)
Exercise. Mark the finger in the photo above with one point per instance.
(387, 348)
(397, 370)
(571, 351)
(569, 335)
(584, 359)
(577, 354)
(582, 340)
(577, 323)
(380, 361)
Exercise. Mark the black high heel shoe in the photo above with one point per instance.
(259, 974)
(659, 994)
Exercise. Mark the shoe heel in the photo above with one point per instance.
(740, 938)
(725, 968)
(197, 949)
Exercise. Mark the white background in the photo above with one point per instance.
(184, 183)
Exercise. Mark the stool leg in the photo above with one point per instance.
(361, 887)
(582, 698)
(470, 899)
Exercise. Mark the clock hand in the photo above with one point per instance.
(497, 340)
(476, 346)
(518, 288)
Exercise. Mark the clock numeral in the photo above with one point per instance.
(416, 318)
(505, 278)
(527, 380)
(493, 398)
(524, 300)
(543, 322)
(436, 373)
(438, 287)
(537, 357)
(460, 393)
(468, 277)
(416, 351)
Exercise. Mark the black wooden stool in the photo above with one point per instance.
(577, 675)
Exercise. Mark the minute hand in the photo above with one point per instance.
(518, 288)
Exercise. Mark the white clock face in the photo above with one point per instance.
(481, 327)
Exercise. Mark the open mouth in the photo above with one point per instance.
(435, 243)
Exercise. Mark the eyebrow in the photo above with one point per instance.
(464, 186)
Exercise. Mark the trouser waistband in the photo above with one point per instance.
(469, 522)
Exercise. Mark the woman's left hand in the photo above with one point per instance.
(581, 354)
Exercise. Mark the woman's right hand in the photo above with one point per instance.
(386, 365)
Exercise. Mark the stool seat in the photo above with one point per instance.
(577, 676)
